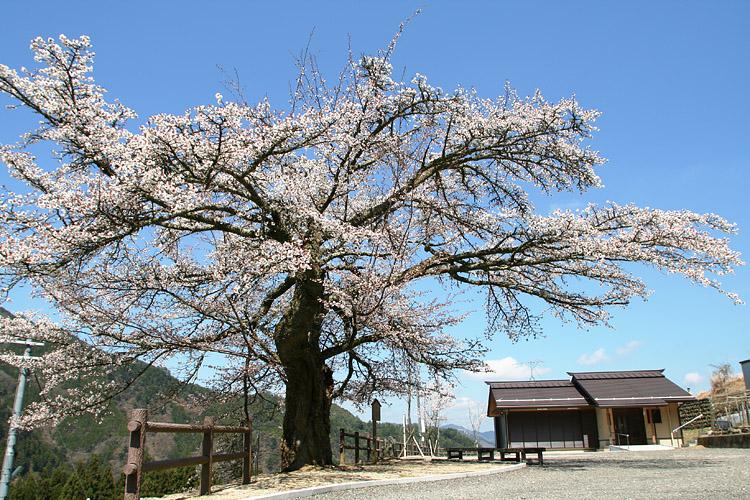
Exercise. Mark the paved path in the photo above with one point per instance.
(684, 473)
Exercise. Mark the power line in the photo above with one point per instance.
(532, 364)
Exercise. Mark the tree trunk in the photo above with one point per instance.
(307, 422)
(309, 381)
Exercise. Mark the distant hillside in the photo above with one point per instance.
(78, 439)
(485, 438)
(448, 437)
(48, 451)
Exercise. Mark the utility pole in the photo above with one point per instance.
(17, 411)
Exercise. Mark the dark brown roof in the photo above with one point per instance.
(631, 388)
(605, 389)
(616, 375)
(536, 394)
(4, 313)
(529, 383)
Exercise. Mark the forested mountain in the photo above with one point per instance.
(79, 455)
(485, 438)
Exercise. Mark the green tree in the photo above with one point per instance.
(47, 485)
(164, 482)
(92, 479)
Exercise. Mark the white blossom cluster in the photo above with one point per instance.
(231, 228)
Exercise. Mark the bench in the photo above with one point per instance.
(506, 454)
(517, 453)
(482, 453)
(531, 451)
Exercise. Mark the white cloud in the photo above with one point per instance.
(629, 347)
(693, 378)
(508, 368)
(594, 358)
(460, 403)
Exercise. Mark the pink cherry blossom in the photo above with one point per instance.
(220, 230)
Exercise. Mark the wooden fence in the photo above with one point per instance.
(369, 447)
(365, 448)
(135, 467)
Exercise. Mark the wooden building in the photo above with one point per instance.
(591, 410)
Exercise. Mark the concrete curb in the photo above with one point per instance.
(354, 485)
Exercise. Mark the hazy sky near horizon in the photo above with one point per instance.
(671, 79)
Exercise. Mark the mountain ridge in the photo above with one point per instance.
(78, 438)
(485, 438)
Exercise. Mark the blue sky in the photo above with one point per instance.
(670, 77)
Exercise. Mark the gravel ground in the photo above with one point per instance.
(683, 473)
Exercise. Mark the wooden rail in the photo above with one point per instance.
(135, 467)
(372, 448)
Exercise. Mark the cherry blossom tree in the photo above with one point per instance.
(293, 243)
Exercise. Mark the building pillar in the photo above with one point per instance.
(648, 421)
(611, 418)
(501, 430)
(669, 423)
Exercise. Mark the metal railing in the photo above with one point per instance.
(686, 424)
(627, 438)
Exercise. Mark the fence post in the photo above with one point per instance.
(133, 469)
(369, 448)
(208, 445)
(247, 460)
(342, 451)
(257, 453)
(356, 447)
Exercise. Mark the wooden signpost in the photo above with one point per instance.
(375, 419)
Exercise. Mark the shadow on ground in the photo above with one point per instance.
(660, 463)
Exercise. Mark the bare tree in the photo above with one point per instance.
(436, 398)
(476, 415)
(723, 379)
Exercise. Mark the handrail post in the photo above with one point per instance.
(247, 461)
(208, 445)
(342, 451)
(134, 466)
(256, 457)
(356, 447)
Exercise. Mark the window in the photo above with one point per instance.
(656, 416)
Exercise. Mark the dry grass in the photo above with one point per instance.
(317, 476)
